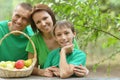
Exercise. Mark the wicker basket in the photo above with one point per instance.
(6, 73)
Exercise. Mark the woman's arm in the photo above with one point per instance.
(35, 70)
(40, 72)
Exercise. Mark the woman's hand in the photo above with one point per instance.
(55, 71)
(48, 73)
(81, 71)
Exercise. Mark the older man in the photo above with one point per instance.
(13, 47)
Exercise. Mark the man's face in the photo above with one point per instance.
(20, 18)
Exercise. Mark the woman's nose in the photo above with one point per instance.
(43, 23)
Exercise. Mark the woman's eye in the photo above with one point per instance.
(37, 22)
(45, 18)
(58, 35)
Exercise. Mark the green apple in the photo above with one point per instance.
(28, 62)
(3, 64)
(10, 66)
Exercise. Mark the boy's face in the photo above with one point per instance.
(64, 36)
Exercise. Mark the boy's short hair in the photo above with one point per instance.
(63, 23)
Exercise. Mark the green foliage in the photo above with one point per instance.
(109, 42)
(95, 67)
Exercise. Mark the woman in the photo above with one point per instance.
(42, 21)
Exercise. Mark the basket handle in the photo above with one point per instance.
(24, 35)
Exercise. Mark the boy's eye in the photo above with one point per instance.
(66, 32)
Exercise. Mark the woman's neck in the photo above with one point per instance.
(47, 36)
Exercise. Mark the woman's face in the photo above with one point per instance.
(43, 21)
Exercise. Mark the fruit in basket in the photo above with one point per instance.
(10, 64)
(24, 67)
(3, 64)
(19, 64)
(7, 64)
(28, 62)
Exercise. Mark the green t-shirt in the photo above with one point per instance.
(41, 48)
(13, 47)
(77, 57)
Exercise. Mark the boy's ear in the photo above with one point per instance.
(74, 34)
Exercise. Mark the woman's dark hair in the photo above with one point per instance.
(41, 7)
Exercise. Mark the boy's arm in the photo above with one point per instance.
(66, 70)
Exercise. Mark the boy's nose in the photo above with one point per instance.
(63, 36)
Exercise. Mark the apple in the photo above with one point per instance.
(19, 64)
(28, 62)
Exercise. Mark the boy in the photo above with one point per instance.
(62, 64)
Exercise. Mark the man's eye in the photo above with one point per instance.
(17, 16)
(25, 19)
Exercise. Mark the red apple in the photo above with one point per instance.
(19, 64)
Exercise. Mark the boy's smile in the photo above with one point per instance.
(64, 36)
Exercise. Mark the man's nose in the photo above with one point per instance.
(19, 20)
